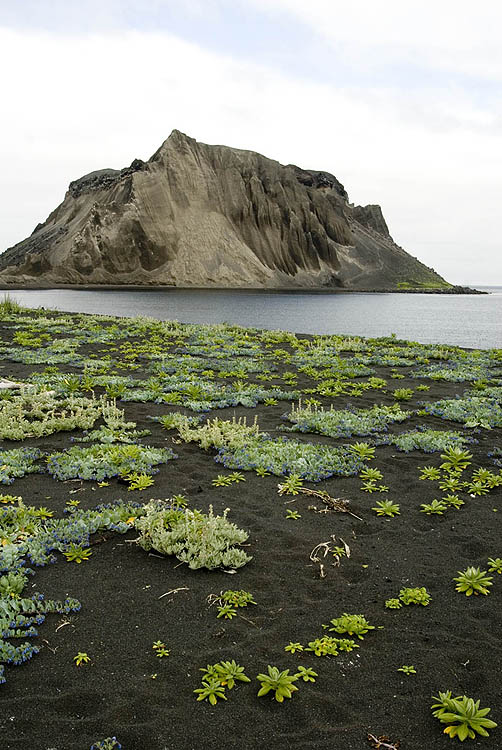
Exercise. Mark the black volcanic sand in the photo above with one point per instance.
(454, 643)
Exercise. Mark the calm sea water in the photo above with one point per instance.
(465, 320)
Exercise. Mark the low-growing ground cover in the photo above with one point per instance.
(365, 574)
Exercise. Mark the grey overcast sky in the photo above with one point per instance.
(400, 99)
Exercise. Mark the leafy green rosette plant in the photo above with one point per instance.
(281, 683)
(418, 595)
(473, 581)
(351, 624)
(462, 715)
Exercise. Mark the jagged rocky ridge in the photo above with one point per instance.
(212, 216)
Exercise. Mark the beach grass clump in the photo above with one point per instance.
(9, 306)
(201, 540)
(99, 462)
(338, 423)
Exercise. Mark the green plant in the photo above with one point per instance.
(281, 683)
(373, 475)
(370, 486)
(386, 508)
(76, 553)
(430, 472)
(138, 481)
(227, 611)
(330, 646)
(222, 480)
(306, 674)
(403, 394)
(453, 500)
(44, 513)
(81, 658)
(292, 514)
(99, 462)
(453, 484)
(344, 423)
(239, 598)
(436, 507)
(393, 604)
(293, 647)
(109, 743)
(291, 485)
(417, 595)
(352, 624)
(495, 565)
(428, 441)
(228, 673)
(237, 476)
(473, 581)
(198, 539)
(9, 306)
(455, 458)
(363, 450)
(407, 669)
(211, 690)
(462, 715)
(477, 488)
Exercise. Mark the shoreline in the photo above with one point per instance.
(456, 289)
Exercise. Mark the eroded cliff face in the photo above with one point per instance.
(212, 216)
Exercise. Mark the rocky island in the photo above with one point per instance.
(196, 215)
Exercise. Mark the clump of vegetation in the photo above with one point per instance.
(99, 462)
(17, 463)
(343, 423)
(201, 540)
(428, 441)
(408, 596)
(242, 446)
(216, 678)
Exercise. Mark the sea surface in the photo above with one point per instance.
(468, 320)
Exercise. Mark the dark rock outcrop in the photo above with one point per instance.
(200, 215)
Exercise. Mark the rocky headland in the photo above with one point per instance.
(196, 215)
